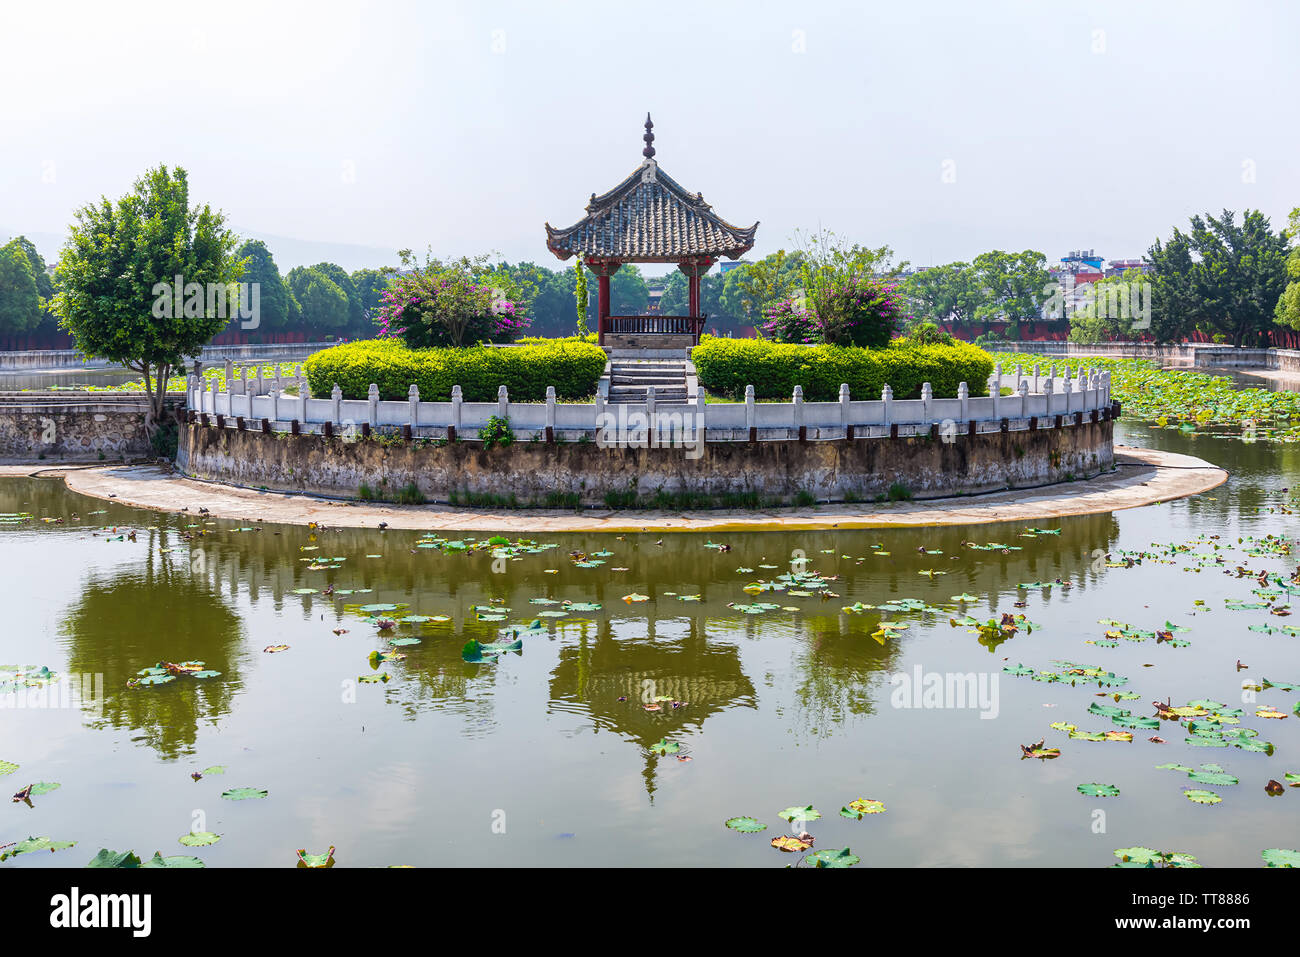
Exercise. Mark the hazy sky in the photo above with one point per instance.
(466, 126)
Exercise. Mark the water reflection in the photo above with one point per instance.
(649, 680)
(131, 620)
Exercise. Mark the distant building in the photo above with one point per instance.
(725, 268)
(1118, 267)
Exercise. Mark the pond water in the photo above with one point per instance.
(66, 379)
(546, 755)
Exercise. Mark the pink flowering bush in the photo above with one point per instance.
(788, 320)
(455, 304)
(846, 311)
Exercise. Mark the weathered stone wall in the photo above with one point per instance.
(71, 427)
(861, 469)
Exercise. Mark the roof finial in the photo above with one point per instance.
(649, 138)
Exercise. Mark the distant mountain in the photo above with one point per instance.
(288, 252)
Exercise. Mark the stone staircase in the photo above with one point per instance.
(630, 378)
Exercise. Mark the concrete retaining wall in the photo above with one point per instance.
(778, 471)
(62, 426)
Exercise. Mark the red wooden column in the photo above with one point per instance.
(602, 309)
(603, 271)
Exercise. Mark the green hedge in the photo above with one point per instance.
(574, 368)
(726, 366)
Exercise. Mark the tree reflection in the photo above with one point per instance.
(137, 618)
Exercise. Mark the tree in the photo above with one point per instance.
(628, 293)
(116, 275)
(747, 289)
(1227, 276)
(1287, 312)
(274, 295)
(947, 295)
(676, 297)
(338, 275)
(1013, 287)
(1111, 308)
(324, 306)
(370, 285)
(455, 303)
(21, 305)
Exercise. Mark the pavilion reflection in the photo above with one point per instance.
(643, 662)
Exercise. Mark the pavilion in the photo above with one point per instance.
(650, 218)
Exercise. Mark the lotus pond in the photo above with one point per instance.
(207, 691)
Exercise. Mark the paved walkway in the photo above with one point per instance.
(1145, 477)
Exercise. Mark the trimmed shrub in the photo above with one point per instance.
(574, 368)
(726, 366)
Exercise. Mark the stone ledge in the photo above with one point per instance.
(1145, 477)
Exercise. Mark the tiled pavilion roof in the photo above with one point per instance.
(650, 217)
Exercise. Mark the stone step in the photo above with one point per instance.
(647, 370)
(624, 389)
(667, 380)
(679, 397)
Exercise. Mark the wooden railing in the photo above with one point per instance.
(657, 325)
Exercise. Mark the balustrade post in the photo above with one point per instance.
(844, 410)
(797, 402)
(550, 413)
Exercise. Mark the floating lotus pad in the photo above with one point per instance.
(806, 813)
(1098, 790)
(243, 794)
(833, 858)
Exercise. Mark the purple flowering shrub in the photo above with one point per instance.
(860, 311)
(788, 320)
(853, 311)
(447, 305)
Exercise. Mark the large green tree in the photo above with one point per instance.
(1287, 311)
(947, 295)
(1013, 287)
(748, 288)
(276, 313)
(339, 276)
(323, 304)
(21, 304)
(116, 271)
(1224, 277)
(370, 285)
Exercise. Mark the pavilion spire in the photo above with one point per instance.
(649, 138)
